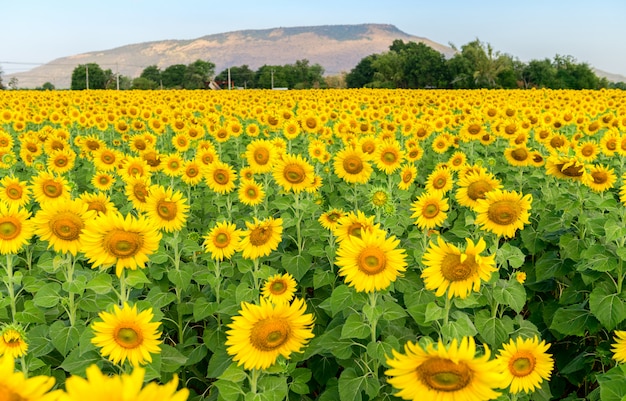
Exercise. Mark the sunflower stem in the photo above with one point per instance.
(373, 297)
(123, 291)
(8, 267)
(253, 378)
(446, 311)
(69, 278)
(298, 215)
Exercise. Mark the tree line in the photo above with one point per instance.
(475, 65)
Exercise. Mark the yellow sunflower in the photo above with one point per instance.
(220, 177)
(352, 166)
(619, 346)
(98, 202)
(473, 186)
(518, 156)
(15, 385)
(167, 208)
(293, 173)
(261, 237)
(260, 155)
(127, 335)
(222, 241)
(388, 156)
(565, 167)
(280, 288)
(61, 161)
(47, 187)
(440, 180)
(16, 229)
(137, 190)
(14, 191)
(97, 386)
(455, 271)
(250, 192)
(133, 167)
(102, 181)
(600, 178)
(13, 341)
(191, 173)
(408, 173)
(370, 262)
(62, 224)
(503, 212)
(330, 219)
(353, 224)
(126, 242)
(172, 164)
(587, 151)
(444, 373)
(429, 210)
(261, 333)
(525, 364)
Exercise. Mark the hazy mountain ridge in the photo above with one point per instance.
(337, 48)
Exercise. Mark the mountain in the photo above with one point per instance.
(337, 48)
(609, 76)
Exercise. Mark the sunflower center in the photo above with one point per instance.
(52, 189)
(372, 261)
(67, 226)
(10, 227)
(503, 212)
(294, 174)
(192, 172)
(278, 287)
(477, 189)
(123, 244)
(262, 156)
(60, 161)
(368, 147)
(599, 177)
(439, 182)
(140, 144)
(221, 176)
(407, 177)
(389, 157)
(453, 269)
(12, 338)
(260, 235)
(221, 240)
(572, 170)
(522, 364)
(128, 337)
(98, 206)
(167, 210)
(519, 154)
(7, 394)
(441, 374)
(611, 144)
(355, 230)
(474, 129)
(587, 151)
(269, 334)
(430, 210)
(380, 198)
(353, 164)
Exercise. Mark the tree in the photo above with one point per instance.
(424, 67)
(198, 74)
(13, 83)
(152, 73)
(48, 86)
(301, 75)
(174, 76)
(363, 73)
(143, 83)
(271, 76)
(1, 73)
(389, 71)
(89, 76)
(241, 76)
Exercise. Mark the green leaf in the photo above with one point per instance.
(597, 257)
(607, 306)
(392, 311)
(296, 265)
(355, 327)
(614, 230)
(493, 330)
(510, 293)
(350, 385)
(159, 299)
(548, 266)
(340, 299)
(433, 312)
(38, 342)
(460, 327)
(574, 320)
(48, 295)
(202, 309)
(416, 304)
(613, 384)
(102, 283)
(218, 363)
(229, 391)
(135, 278)
(510, 254)
(180, 278)
(64, 338)
(233, 373)
(322, 278)
(273, 388)
(76, 363)
(171, 359)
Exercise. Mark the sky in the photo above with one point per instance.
(35, 32)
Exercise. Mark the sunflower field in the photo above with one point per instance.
(313, 245)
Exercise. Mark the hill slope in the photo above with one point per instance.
(336, 48)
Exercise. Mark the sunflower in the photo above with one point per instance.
(220, 177)
(191, 173)
(125, 242)
(619, 346)
(132, 167)
(441, 144)
(609, 143)
(330, 219)
(260, 155)
(525, 364)
(457, 161)
(370, 262)
(440, 180)
(106, 159)
(172, 164)
(181, 142)
(222, 241)
(429, 210)
(473, 186)
(137, 190)
(408, 173)
(414, 153)
(455, 271)
(126, 334)
(61, 161)
(15, 385)
(62, 224)
(13, 341)
(293, 173)
(261, 333)
(444, 373)
(102, 181)
(353, 224)
(600, 178)
(388, 156)
(250, 192)
(518, 156)
(587, 151)
(503, 212)
(352, 166)
(167, 208)
(14, 191)
(261, 237)
(280, 288)
(565, 167)
(47, 187)
(206, 156)
(97, 386)
(99, 202)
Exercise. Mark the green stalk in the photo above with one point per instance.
(10, 285)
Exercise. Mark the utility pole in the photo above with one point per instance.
(117, 76)
(228, 78)
(87, 75)
(272, 75)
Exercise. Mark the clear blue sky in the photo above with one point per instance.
(39, 31)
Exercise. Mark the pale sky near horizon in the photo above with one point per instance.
(35, 32)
